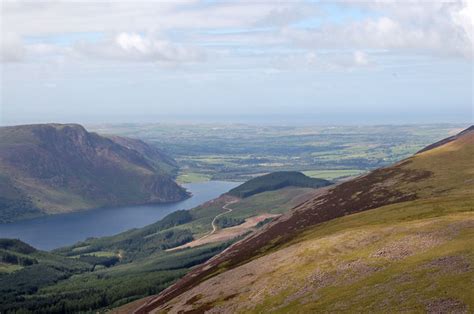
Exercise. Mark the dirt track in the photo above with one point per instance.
(217, 235)
(213, 223)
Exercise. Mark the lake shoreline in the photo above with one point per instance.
(54, 231)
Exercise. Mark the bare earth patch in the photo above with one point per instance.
(227, 233)
(418, 242)
(445, 306)
(450, 264)
(344, 274)
(408, 246)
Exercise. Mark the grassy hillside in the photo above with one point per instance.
(397, 239)
(276, 180)
(409, 257)
(137, 263)
(53, 168)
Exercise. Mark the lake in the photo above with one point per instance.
(50, 232)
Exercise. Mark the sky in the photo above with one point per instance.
(323, 62)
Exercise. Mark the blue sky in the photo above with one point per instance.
(327, 62)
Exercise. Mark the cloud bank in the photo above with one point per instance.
(185, 31)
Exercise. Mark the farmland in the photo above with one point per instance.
(239, 152)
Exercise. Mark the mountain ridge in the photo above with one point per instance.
(447, 140)
(49, 168)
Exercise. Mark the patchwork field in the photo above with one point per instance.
(240, 152)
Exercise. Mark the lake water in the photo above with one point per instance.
(54, 231)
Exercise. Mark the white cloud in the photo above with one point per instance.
(360, 58)
(130, 28)
(55, 17)
(416, 36)
(135, 47)
(463, 18)
(434, 27)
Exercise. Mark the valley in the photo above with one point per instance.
(54, 231)
(228, 234)
(247, 157)
(143, 261)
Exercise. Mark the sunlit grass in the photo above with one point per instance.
(402, 284)
(9, 268)
(333, 174)
(192, 177)
(98, 254)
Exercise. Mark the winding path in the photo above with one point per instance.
(213, 223)
(219, 235)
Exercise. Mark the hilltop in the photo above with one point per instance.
(277, 180)
(396, 239)
(56, 168)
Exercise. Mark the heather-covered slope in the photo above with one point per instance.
(53, 168)
(397, 239)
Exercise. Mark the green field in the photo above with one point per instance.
(333, 174)
(273, 202)
(97, 253)
(192, 177)
(9, 268)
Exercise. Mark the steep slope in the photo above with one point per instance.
(162, 162)
(398, 238)
(52, 168)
